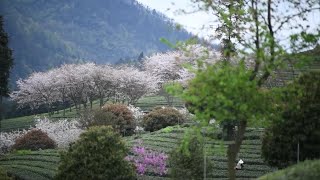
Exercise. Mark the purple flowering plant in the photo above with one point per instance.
(148, 161)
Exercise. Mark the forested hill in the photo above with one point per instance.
(47, 33)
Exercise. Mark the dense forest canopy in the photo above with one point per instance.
(47, 33)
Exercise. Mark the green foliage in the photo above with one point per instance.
(116, 115)
(168, 129)
(223, 91)
(34, 140)
(304, 170)
(4, 175)
(98, 154)
(23, 152)
(299, 124)
(160, 118)
(189, 165)
(6, 61)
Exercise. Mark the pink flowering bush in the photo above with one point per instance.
(148, 161)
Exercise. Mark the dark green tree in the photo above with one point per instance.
(6, 63)
(299, 125)
(189, 163)
(99, 154)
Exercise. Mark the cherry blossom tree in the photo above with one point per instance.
(37, 89)
(77, 80)
(104, 81)
(61, 88)
(80, 83)
(174, 66)
(134, 84)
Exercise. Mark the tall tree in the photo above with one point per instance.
(256, 30)
(6, 63)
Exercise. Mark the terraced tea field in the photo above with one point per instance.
(35, 165)
(43, 164)
(250, 152)
(145, 103)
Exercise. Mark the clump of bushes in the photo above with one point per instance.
(160, 118)
(34, 140)
(98, 154)
(116, 115)
(187, 161)
(305, 170)
(299, 124)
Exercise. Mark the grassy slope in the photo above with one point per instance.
(43, 164)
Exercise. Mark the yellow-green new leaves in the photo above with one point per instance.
(224, 92)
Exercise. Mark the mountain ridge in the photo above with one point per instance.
(47, 33)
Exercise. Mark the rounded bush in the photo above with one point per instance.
(99, 154)
(34, 140)
(299, 124)
(4, 175)
(186, 162)
(305, 170)
(116, 115)
(160, 118)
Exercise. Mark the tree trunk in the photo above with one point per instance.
(64, 109)
(1, 114)
(49, 110)
(233, 149)
(101, 101)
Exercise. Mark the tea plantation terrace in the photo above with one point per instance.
(43, 164)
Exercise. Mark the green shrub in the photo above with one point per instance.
(116, 115)
(23, 152)
(4, 175)
(187, 162)
(168, 129)
(34, 140)
(299, 124)
(308, 169)
(160, 118)
(98, 154)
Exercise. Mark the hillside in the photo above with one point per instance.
(43, 164)
(47, 33)
(296, 67)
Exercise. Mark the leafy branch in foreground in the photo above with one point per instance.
(256, 32)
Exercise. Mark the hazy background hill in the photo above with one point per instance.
(47, 33)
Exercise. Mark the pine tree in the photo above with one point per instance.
(6, 63)
(140, 57)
